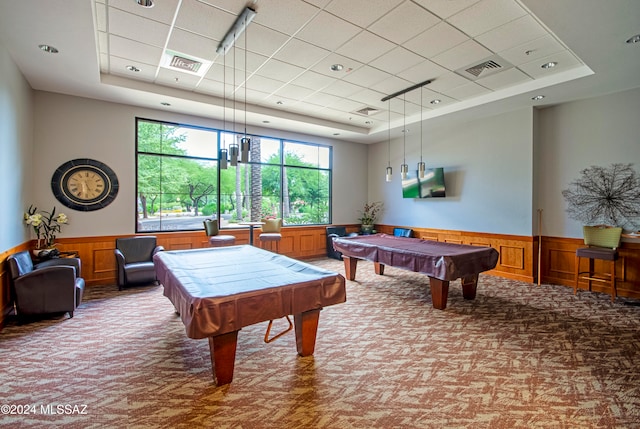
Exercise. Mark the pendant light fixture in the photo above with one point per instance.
(404, 168)
(421, 166)
(389, 174)
(222, 152)
(245, 141)
(234, 150)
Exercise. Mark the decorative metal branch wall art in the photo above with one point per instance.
(605, 195)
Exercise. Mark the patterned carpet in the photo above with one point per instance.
(518, 356)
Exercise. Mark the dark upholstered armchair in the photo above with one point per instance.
(333, 232)
(52, 286)
(134, 256)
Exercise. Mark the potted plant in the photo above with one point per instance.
(369, 216)
(46, 225)
(609, 196)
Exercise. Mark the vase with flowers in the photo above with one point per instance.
(45, 225)
(369, 216)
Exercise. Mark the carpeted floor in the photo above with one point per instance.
(518, 356)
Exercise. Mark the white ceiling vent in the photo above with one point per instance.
(367, 111)
(185, 63)
(487, 67)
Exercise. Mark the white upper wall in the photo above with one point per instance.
(16, 147)
(68, 127)
(488, 166)
(573, 136)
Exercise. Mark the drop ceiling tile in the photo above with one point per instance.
(322, 99)
(466, 91)
(177, 79)
(132, 27)
(370, 98)
(294, 92)
(324, 66)
(532, 50)
(193, 45)
(423, 71)
(104, 63)
(486, 15)
(285, 15)
(445, 9)
(397, 60)
(219, 73)
(366, 76)
(301, 53)
(318, 3)
(362, 12)
(514, 33)
(342, 88)
(564, 59)
(345, 105)
(391, 85)
(447, 81)
(365, 46)
(436, 40)
(197, 17)
(328, 31)
(118, 66)
(264, 84)
(278, 70)
(503, 79)
(103, 42)
(162, 11)
(462, 55)
(414, 20)
(312, 80)
(101, 17)
(127, 48)
(263, 40)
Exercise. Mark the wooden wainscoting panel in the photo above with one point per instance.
(560, 263)
(511, 257)
(104, 261)
(307, 242)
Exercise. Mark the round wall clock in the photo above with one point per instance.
(84, 184)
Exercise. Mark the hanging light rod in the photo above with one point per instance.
(411, 88)
(236, 30)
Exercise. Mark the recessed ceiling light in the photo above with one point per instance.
(266, 122)
(337, 67)
(634, 39)
(436, 101)
(48, 48)
(164, 103)
(133, 68)
(279, 102)
(368, 122)
(537, 97)
(549, 65)
(336, 134)
(406, 130)
(145, 3)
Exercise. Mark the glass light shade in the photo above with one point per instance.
(389, 174)
(421, 168)
(404, 169)
(222, 156)
(234, 151)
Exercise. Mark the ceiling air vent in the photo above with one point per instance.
(185, 63)
(367, 111)
(487, 67)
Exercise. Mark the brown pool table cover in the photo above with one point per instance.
(221, 290)
(444, 261)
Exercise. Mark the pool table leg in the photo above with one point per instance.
(439, 293)
(350, 265)
(223, 356)
(469, 286)
(306, 325)
(379, 268)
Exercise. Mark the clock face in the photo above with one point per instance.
(84, 184)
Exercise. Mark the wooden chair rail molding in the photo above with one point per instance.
(518, 254)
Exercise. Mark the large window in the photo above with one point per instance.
(180, 180)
